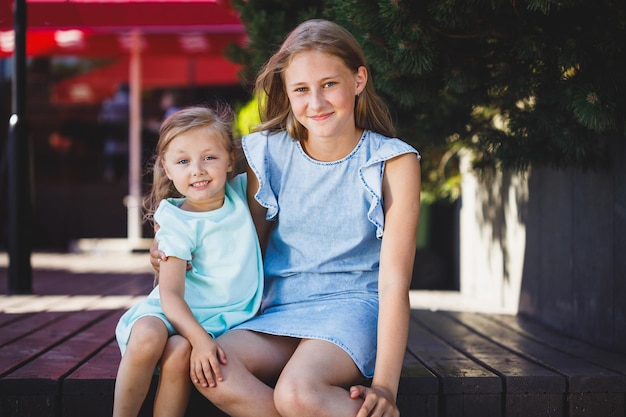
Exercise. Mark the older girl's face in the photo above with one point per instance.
(322, 91)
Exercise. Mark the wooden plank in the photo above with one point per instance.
(593, 225)
(418, 391)
(602, 390)
(466, 387)
(39, 303)
(619, 272)
(23, 399)
(56, 282)
(555, 289)
(64, 357)
(530, 286)
(34, 344)
(44, 357)
(530, 389)
(29, 323)
(9, 301)
(544, 334)
(10, 318)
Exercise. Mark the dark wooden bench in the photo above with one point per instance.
(500, 365)
(61, 360)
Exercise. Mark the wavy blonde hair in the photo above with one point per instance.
(214, 121)
(371, 112)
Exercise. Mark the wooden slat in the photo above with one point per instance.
(16, 329)
(531, 329)
(44, 358)
(10, 318)
(63, 358)
(592, 390)
(466, 387)
(15, 355)
(530, 389)
(54, 282)
(419, 389)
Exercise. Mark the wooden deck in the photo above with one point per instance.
(58, 356)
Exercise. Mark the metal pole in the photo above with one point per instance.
(134, 155)
(19, 167)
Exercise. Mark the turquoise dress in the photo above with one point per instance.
(322, 258)
(225, 284)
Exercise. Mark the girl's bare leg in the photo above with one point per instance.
(315, 382)
(145, 347)
(254, 362)
(172, 396)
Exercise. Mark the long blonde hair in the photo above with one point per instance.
(215, 121)
(371, 112)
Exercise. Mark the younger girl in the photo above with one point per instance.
(204, 219)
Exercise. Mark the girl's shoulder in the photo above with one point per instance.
(238, 185)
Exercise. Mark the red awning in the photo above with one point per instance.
(103, 28)
(156, 72)
(185, 34)
(87, 43)
(124, 15)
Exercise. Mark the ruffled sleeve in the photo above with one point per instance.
(371, 174)
(256, 151)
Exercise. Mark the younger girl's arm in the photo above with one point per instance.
(206, 354)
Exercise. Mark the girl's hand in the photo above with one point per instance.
(206, 359)
(377, 402)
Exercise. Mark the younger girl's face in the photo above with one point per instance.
(198, 163)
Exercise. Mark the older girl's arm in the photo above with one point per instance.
(257, 211)
(401, 196)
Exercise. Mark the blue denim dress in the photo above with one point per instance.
(322, 258)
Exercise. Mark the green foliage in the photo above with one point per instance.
(535, 82)
(267, 22)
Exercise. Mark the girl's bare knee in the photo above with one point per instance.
(293, 398)
(176, 354)
(177, 347)
(147, 338)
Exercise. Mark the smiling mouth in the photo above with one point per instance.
(321, 116)
(200, 184)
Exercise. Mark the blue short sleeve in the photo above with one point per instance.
(371, 174)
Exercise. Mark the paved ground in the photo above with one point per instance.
(48, 267)
(110, 261)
